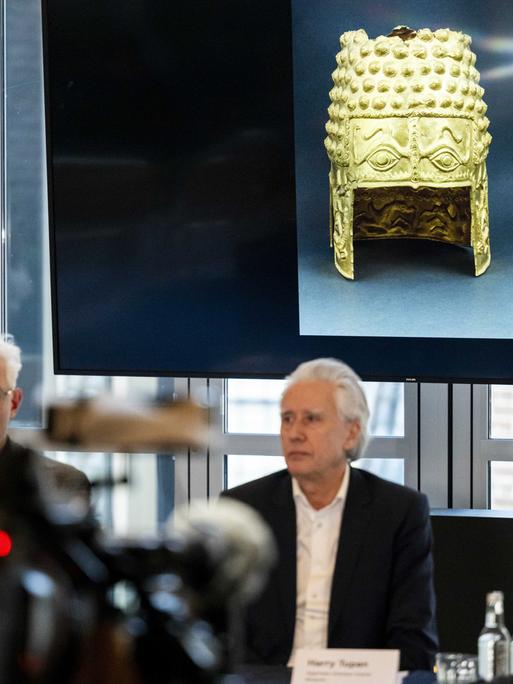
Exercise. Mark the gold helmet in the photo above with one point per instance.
(408, 140)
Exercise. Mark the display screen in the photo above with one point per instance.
(189, 190)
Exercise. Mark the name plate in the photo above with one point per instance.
(345, 666)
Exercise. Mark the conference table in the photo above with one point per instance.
(267, 674)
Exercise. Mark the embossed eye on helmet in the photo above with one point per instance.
(383, 159)
(445, 160)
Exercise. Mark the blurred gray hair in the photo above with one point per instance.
(11, 354)
(349, 395)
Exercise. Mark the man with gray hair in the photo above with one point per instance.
(355, 566)
(64, 481)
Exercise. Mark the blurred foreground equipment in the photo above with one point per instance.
(77, 608)
(108, 424)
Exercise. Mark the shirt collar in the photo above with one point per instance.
(341, 495)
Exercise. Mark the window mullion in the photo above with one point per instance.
(481, 445)
(462, 446)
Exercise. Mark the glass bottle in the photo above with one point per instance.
(493, 645)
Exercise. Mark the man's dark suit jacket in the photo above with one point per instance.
(64, 481)
(382, 592)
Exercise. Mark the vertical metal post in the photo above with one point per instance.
(217, 393)
(3, 183)
(434, 443)
(462, 446)
(411, 434)
(198, 458)
(481, 447)
(181, 493)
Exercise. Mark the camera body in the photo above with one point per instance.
(78, 608)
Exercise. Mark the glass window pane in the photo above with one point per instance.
(243, 468)
(74, 386)
(501, 412)
(130, 388)
(129, 490)
(501, 485)
(388, 468)
(95, 465)
(133, 493)
(98, 468)
(252, 407)
(25, 196)
(386, 405)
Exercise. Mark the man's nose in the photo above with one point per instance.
(296, 431)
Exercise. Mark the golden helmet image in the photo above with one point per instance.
(407, 139)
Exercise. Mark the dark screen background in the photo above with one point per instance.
(170, 131)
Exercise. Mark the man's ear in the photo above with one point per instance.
(16, 399)
(353, 435)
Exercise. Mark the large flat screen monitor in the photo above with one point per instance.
(190, 202)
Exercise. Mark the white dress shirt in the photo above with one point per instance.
(317, 542)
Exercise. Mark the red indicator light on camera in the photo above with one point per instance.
(5, 544)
